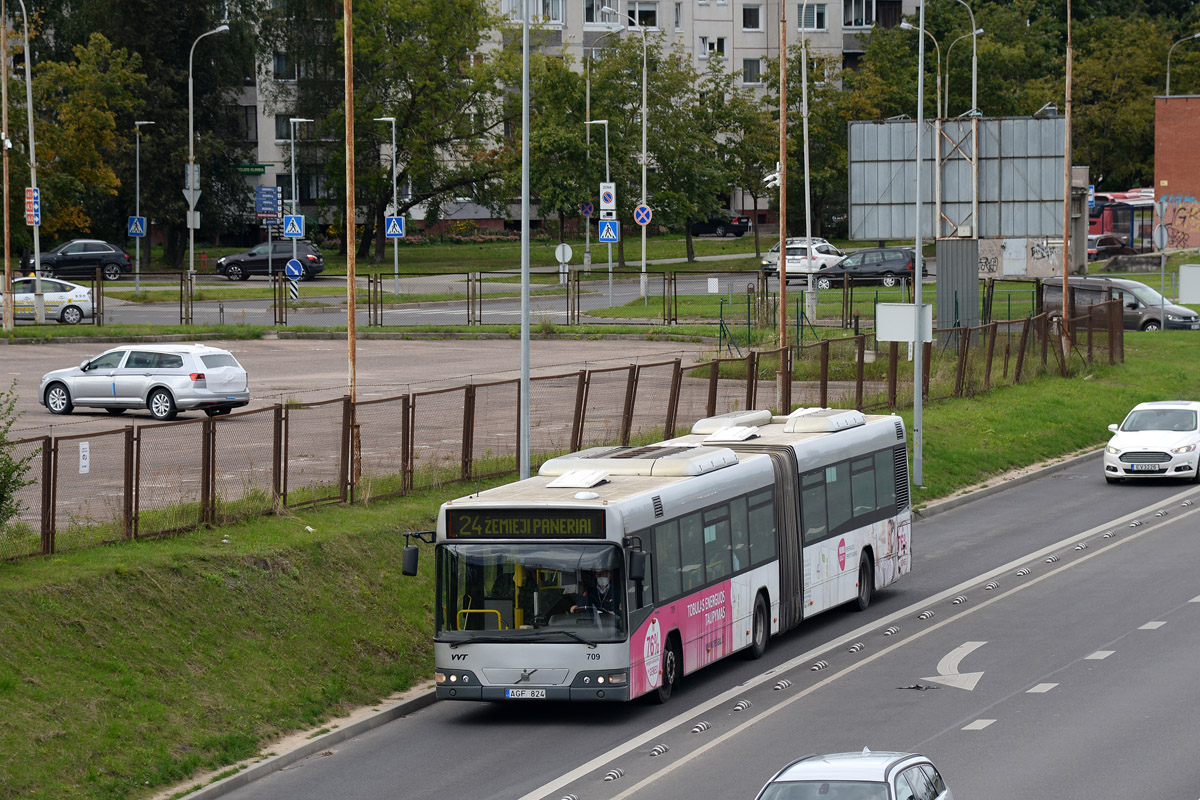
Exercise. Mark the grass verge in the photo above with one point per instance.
(128, 668)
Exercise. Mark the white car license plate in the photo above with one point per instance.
(525, 694)
(1145, 468)
(1195, 325)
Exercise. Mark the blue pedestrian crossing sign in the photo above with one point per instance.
(137, 226)
(610, 230)
(293, 226)
(394, 227)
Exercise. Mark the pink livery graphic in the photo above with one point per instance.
(705, 622)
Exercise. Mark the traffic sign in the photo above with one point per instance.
(610, 231)
(191, 177)
(563, 252)
(587, 209)
(33, 206)
(293, 269)
(394, 227)
(1160, 237)
(608, 196)
(1091, 195)
(642, 215)
(137, 226)
(293, 226)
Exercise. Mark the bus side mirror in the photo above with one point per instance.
(411, 554)
(637, 565)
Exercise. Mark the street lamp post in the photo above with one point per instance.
(918, 272)
(810, 297)
(395, 206)
(192, 188)
(604, 122)
(908, 26)
(39, 299)
(587, 116)
(972, 34)
(292, 123)
(645, 287)
(137, 204)
(976, 30)
(1195, 35)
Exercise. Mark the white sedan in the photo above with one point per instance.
(1156, 440)
(66, 302)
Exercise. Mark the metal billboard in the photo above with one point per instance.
(1014, 176)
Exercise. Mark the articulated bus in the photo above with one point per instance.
(615, 571)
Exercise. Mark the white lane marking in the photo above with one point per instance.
(1041, 688)
(1153, 626)
(841, 641)
(948, 674)
(1099, 655)
(978, 725)
(1195, 599)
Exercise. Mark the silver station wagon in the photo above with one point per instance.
(164, 378)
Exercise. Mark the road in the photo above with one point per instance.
(1084, 662)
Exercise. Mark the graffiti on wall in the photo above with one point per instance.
(1181, 218)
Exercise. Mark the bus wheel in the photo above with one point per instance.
(759, 631)
(670, 672)
(866, 582)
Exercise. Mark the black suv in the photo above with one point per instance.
(272, 257)
(83, 257)
(722, 224)
(886, 265)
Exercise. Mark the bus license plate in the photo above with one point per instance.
(525, 694)
(1145, 467)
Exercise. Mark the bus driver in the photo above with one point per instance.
(599, 597)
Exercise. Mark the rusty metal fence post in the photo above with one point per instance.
(577, 416)
(627, 407)
(468, 431)
(859, 368)
(893, 373)
(751, 378)
(1021, 350)
(277, 457)
(824, 349)
(348, 468)
(713, 375)
(673, 399)
(991, 348)
(48, 473)
(128, 487)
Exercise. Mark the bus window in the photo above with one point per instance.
(691, 551)
(862, 485)
(666, 559)
(885, 479)
(762, 527)
(716, 543)
(837, 495)
(739, 534)
(644, 597)
(812, 504)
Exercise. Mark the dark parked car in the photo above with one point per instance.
(255, 261)
(886, 265)
(83, 257)
(722, 224)
(1107, 245)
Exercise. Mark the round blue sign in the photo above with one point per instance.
(293, 270)
(586, 209)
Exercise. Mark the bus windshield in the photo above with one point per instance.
(530, 592)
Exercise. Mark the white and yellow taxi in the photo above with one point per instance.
(66, 302)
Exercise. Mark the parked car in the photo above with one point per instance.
(800, 264)
(1143, 307)
(886, 265)
(771, 258)
(83, 257)
(722, 224)
(69, 303)
(1107, 245)
(271, 258)
(1156, 440)
(861, 776)
(165, 378)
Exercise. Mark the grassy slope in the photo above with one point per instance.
(128, 668)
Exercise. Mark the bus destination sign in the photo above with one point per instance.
(525, 523)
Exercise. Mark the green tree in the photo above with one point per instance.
(558, 149)
(12, 466)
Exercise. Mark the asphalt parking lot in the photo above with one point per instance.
(317, 369)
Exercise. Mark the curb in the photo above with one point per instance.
(954, 502)
(418, 698)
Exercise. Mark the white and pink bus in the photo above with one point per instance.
(618, 570)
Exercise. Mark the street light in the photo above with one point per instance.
(604, 122)
(587, 115)
(810, 297)
(137, 205)
(908, 26)
(39, 300)
(395, 206)
(192, 187)
(976, 30)
(1181, 41)
(292, 123)
(918, 270)
(972, 34)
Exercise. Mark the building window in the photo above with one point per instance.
(282, 127)
(247, 117)
(548, 12)
(285, 68)
(858, 13)
(679, 16)
(642, 14)
(594, 13)
(814, 18)
(752, 70)
(752, 18)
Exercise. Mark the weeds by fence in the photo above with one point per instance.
(152, 480)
